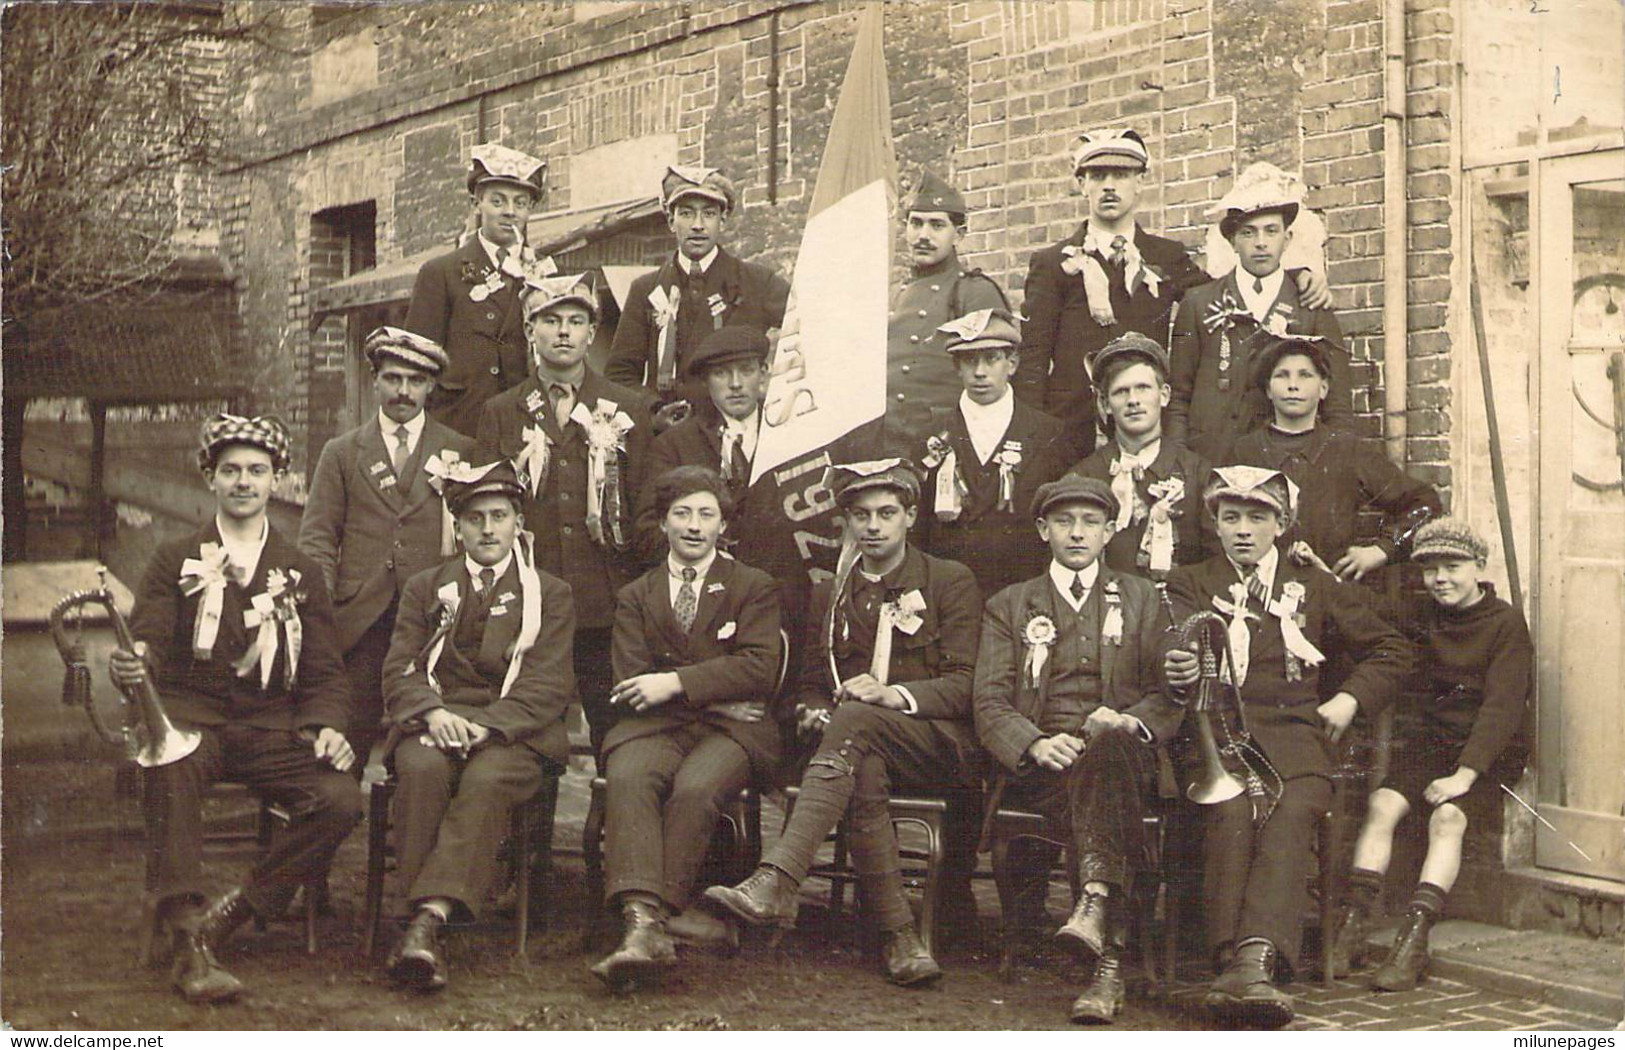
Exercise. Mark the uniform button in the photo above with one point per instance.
(563, 496)
(906, 368)
(922, 313)
(566, 530)
(495, 370)
(936, 287)
(913, 338)
(847, 741)
(389, 565)
(900, 397)
(397, 544)
(489, 316)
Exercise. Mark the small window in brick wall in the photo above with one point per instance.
(343, 242)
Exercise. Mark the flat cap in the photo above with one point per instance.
(263, 432)
(935, 194)
(1110, 148)
(1074, 488)
(409, 348)
(1126, 348)
(1449, 538)
(989, 329)
(734, 342)
(682, 180)
(540, 293)
(847, 480)
(490, 162)
(1271, 488)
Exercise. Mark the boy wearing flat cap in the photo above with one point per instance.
(1068, 700)
(888, 683)
(1282, 619)
(1479, 664)
(1223, 325)
(700, 288)
(1338, 472)
(576, 439)
(373, 520)
(1157, 481)
(234, 627)
(985, 456)
(477, 680)
(940, 288)
(467, 300)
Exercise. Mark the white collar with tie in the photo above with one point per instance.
(703, 265)
(414, 430)
(743, 432)
(1063, 577)
(1266, 568)
(494, 251)
(499, 570)
(1259, 293)
(674, 574)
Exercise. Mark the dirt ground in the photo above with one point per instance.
(69, 945)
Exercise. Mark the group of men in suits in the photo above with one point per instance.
(515, 532)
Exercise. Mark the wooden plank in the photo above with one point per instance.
(1600, 835)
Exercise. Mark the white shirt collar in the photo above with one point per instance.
(987, 424)
(1266, 568)
(492, 248)
(704, 264)
(500, 568)
(1259, 303)
(749, 430)
(414, 430)
(674, 572)
(245, 554)
(1062, 577)
(1097, 238)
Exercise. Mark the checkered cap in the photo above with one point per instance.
(684, 180)
(409, 348)
(1110, 148)
(1449, 538)
(263, 432)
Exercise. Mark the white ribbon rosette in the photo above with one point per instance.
(1038, 637)
(1124, 473)
(1158, 542)
(606, 427)
(1009, 459)
(1111, 628)
(664, 302)
(1083, 259)
(951, 490)
(534, 455)
(449, 601)
(277, 607)
(904, 615)
(1240, 638)
(206, 573)
(1298, 646)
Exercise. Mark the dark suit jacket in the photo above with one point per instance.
(1282, 714)
(485, 340)
(369, 531)
(558, 515)
(1000, 546)
(736, 601)
(1206, 419)
(208, 691)
(935, 663)
(533, 711)
(1194, 538)
(746, 294)
(1060, 333)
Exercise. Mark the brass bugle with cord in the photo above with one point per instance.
(147, 735)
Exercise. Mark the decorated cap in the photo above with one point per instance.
(1110, 148)
(543, 292)
(461, 481)
(1260, 188)
(847, 480)
(1449, 538)
(409, 348)
(490, 162)
(989, 329)
(1311, 346)
(262, 432)
(732, 343)
(684, 180)
(1271, 488)
(1128, 348)
(1074, 488)
(934, 194)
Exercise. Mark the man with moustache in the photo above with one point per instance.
(576, 438)
(467, 300)
(373, 520)
(939, 289)
(699, 289)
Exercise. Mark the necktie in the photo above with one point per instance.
(397, 455)
(1255, 587)
(688, 603)
(1118, 244)
(1258, 286)
(502, 257)
(563, 402)
(488, 580)
(1078, 589)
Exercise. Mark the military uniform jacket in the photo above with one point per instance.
(1194, 538)
(368, 530)
(1281, 713)
(1215, 401)
(471, 675)
(935, 663)
(999, 543)
(206, 690)
(731, 292)
(485, 340)
(557, 515)
(920, 374)
(1060, 334)
(731, 652)
(1339, 474)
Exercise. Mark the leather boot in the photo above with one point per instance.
(698, 928)
(646, 950)
(222, 918)
(907, 961)
(767, 898)
(1348, 945)
(197, 975)
(1246, 989)
(1103, 999)
(417, 961)
(1084, 933)
(1408, 959)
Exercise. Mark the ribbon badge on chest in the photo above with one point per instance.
(1158, 542)
(207, 573)
(1009, 459)
(664, 302)
(1038, 637)
(1111, 628)
(1223, 314)
(1299, 649)
(273, 616)
(951, 490)
(1240, 638)
(904, 615)
(606, 427)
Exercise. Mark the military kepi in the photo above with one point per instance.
(1269, 488)
(491, 163)
(731, 343)
(1074, 488)
(409, 348)
(847, 480)
(935, 194)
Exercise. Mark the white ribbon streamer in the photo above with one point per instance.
(450, 601)
(950, 502)
(1285, 609)
(533, 457)
(206, 573)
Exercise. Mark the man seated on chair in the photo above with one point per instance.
(477, 680)
(888, 680)
(234, 627)
(1283, 619)
(1067, 699)
(697, 653)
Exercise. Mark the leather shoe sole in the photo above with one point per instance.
(697, 928)
(735, 903)
(419, 970)
(1074, 941)
(1255, 1013)
(619, 971)
(1086, 1010)
(917, 973)
(218, 987)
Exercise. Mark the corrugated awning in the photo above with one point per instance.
(551, 235)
